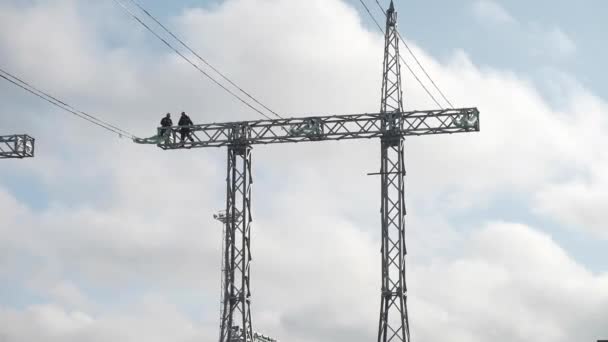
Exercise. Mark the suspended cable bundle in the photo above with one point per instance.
(114, 129)
(201, 58)
(63, 105)
(413, 55)
(416, 59)
(179, 41)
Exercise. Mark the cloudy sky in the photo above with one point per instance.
(104, 240)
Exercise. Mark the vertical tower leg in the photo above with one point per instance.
(236, 317)
(394, 325)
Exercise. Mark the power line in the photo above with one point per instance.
(55, 103)
(63, 105)
(202, 59)
(417, 61)
(401, 57)
(371, 15)
(135, 17)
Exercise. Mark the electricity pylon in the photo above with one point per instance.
(16, 146)
(391, 126)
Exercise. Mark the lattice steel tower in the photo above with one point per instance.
(391, 126)
(394, 325)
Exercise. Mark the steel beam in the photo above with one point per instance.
(320, 128)
(17, 146)
(236, 315)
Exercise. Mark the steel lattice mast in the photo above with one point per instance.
(394, 325)
(16, 146)
(237, 254)
(391, 126)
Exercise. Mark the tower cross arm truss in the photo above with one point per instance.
(320, 128)
(16, 146)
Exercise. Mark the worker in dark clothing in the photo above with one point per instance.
(184, 124)
(165, 123)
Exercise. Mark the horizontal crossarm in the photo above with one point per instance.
(316, 128)
(16, 146)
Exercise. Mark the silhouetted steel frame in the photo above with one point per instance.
(237, 257)
(15, 146)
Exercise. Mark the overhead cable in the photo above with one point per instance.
(202, 59)
(135, 17)
(401, 57)
(63, 105)
(402, 60)
(417, 61)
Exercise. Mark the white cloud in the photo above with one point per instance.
(582, 203)
(156, 322)
(548, 43)
(145, 224)
(492, 11)
(562, 42)
(551, 43)
(514, 283)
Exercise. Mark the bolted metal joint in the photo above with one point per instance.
(392, 140)
(240, 134)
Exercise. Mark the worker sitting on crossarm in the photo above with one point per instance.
(184, 124)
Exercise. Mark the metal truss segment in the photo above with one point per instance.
(326, 128)
(17, 146)
(393, 323)
(237, 253)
